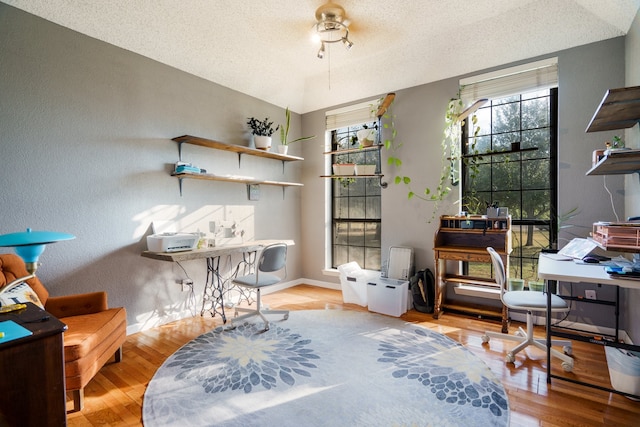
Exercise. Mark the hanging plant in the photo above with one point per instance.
(455, 116)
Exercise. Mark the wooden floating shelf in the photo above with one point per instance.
(377, 175)
(617, 162)
(239, 149)
(355, 150)
(234, 178)
(619, 109)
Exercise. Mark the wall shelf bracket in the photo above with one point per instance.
(180, 150)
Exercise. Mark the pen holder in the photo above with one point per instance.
(493, 212)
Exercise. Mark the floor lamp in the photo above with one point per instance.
(29, 245)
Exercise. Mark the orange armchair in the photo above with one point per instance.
(95, 332)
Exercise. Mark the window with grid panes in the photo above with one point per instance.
(356, 206)
(523, 181)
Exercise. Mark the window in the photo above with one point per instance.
(523, 179)
(356, 205)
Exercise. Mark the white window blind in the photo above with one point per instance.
(351, 115)
(511, 81)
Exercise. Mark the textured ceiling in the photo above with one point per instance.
(263, 47)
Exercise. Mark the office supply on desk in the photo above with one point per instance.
(619, 272)
(529, 301)
(578, 248)
(556, 256)
(12, 331)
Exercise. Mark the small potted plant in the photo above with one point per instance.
(367, 135)
(262, 131)
(365, 169)
(284, 134)
(344, 168)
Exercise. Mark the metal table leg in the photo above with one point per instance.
(212, 299)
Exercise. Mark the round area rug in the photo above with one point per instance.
(325, 368)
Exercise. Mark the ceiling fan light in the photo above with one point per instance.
(331, 26)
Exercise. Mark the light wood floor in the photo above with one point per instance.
(115, 396)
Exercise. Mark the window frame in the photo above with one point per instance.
(517, 263)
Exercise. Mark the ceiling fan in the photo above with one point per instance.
(332, 26)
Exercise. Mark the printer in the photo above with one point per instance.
(172, 242)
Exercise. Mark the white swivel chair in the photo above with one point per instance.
(529, 301)
(273, 259)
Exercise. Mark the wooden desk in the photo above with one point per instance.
(214, 288)
(552, 271)
(32, 371)
(459, 239)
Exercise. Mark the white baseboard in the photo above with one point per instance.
(154, 321)
(520, 317)
(290, 284)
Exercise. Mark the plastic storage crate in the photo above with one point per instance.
(388, 296)
(353, 281)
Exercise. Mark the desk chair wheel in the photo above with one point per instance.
(510, 358)
(567, 366)
(485, 339)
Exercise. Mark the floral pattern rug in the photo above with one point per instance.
(325, 368)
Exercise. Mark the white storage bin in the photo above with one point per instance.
(388, 296)
(353, 281)
(624, 369)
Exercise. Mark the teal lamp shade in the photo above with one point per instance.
(29, 244)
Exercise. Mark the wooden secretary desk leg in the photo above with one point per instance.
(440, 286)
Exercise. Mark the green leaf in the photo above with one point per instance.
(398, 180)
(410, 195)
(406, 180)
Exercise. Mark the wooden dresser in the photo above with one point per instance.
(32, 371)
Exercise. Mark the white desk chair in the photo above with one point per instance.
(273, 258)
(529, 301)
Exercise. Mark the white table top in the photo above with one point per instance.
(570, 271)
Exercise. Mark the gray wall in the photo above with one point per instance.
(585, 73)
(86, 149)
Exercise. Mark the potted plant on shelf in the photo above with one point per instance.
(262, 131)
(365, 169)
(367, 135)
(284, 134)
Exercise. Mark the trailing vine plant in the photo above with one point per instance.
(455, 115)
